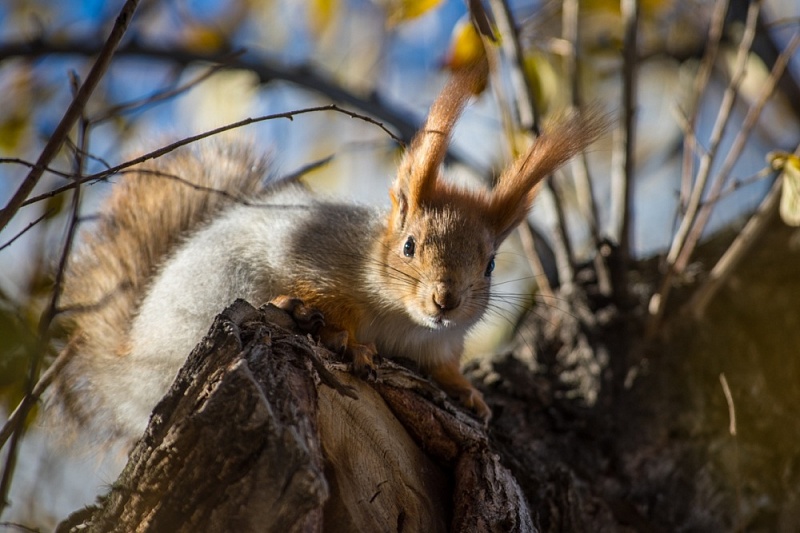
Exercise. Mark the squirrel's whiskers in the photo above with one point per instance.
(410, 281)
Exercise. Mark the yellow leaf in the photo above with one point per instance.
(11, 131)
(544, 80)
(202, 38)
(466, 46)
(402, 10)
(321, 14)
(790, 187)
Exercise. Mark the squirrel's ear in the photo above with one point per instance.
(399, 208)
(513, 195)
(419, 169)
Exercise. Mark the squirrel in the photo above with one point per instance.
(182, 237)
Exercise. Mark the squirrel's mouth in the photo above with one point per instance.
(438, 321)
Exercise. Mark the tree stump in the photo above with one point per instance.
(263, 431)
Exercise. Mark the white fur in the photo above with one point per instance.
(237, 256)
(243, 253)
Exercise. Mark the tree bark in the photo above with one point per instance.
(261, 431)
(607, 432)
(593, 429)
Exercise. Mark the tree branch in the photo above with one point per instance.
(266, 70)
(73, 112)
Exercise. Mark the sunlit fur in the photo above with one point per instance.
(168, 257)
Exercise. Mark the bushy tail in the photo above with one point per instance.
(148, 213)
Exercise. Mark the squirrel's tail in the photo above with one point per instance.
(153, 208)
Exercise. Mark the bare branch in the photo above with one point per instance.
(512, 48)
(749, 122)
(189, 140)
(736, 252)
(738, 249)
(267, 70)
(700, 83)
(622, 156)
(528, 120)
(73, 112)
(24, 230)
(658, 300)
(24, 163)
(15, 419)
(159, 96)
(716, 135)
(43, 338)
(580, 164)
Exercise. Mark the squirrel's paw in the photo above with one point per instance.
(362, 355)
(363, 364)
(308, 319)
(334, 339)
(453, 382)
(473, 399)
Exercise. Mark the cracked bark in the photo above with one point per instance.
(259, 432)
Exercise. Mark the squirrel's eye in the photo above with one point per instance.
(489, 268)
(409, 247)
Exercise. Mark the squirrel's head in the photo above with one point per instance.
(440, 242)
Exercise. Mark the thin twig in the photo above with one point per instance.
(700, 82)
(188, 140)
(41, 217)
(562, 246)
(739, 183)
(726, 390)
(162, 95)
(728, 99)
(14, 420)
(24, 163)
(529, 248)
(526, 119)
(623, 170)
(20, 527)
(43, 337)
(72, 114)
(305, 169)
(580, 164)
(72, 146)
(749, 122)
(523, 98)
(580, 167)
(737, 251)
(659, 299)
(265, 68)
(512, 49)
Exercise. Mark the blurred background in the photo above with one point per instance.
(188, 66)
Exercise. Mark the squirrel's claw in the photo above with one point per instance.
(363, 363)
(334, 340)
(308, 319)
(362, 355)
(453, 382)
(473, 399)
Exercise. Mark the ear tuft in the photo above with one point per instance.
(419, 170)
(517, 187)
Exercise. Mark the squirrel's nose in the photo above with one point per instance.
(445, 298)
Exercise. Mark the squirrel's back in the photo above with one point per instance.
(153, 209)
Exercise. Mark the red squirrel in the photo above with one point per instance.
(409, 281)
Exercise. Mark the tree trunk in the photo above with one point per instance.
(594, 429)
(262, 432)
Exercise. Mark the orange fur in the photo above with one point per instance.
(517, 187)
(411, 281)
(418, 173)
